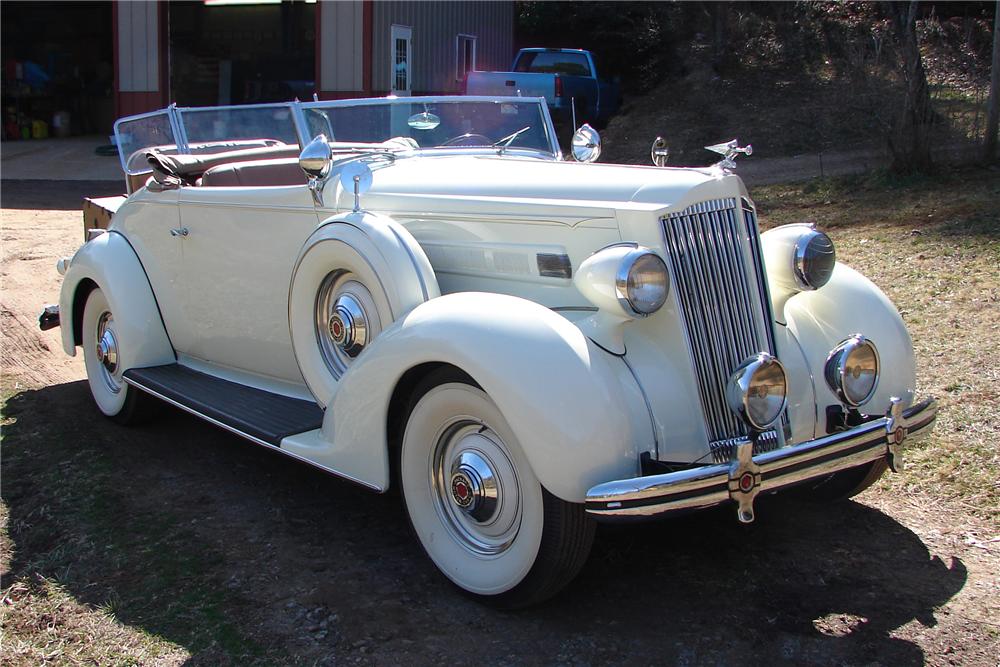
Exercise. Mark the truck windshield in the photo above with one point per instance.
(553, 62)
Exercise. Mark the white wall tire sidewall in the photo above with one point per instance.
(479, 574)
(109, 402)
(319, 260)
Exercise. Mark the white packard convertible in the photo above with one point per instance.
(422, 293)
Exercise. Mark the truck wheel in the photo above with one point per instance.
(844, 484)
(102, 345)
(475, 505)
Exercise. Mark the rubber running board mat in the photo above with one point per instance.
(253, 413)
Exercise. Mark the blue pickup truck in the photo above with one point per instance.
(558, 75)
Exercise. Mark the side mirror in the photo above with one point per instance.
(586, 145)
(659, 153)
(316, 157)
(315, 160)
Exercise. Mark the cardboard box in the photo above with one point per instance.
(97, 212)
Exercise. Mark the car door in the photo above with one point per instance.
(151, 223)
(238, 256)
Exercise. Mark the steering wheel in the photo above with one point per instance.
(466, 140)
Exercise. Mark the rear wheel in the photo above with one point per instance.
(102, 347)
(476, 506)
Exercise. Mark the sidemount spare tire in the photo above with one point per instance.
(355, 275)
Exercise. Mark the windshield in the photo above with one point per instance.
(435, 124)
(518, 123)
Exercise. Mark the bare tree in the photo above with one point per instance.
(993, 110)
(909, 139)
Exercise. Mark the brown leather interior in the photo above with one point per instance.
(257, 173)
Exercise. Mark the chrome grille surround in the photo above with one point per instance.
(718, 271)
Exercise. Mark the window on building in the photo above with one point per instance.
(465, 56)
(400, 53)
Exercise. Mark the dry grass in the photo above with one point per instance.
(43, 624)
(933, 245)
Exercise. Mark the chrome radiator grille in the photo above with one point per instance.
(715, 260)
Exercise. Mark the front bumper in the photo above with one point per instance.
(747, 475)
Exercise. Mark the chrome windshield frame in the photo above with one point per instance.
(297, 109)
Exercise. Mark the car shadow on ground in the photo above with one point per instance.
(238, 554)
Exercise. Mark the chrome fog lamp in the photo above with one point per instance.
(642, 281)
(757, 390)
(814, 260)
(852, 370)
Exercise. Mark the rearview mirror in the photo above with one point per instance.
(586, 144)
(423, 121)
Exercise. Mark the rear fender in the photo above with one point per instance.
(576, 410)
(110, 263)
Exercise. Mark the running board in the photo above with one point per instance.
(255, 414)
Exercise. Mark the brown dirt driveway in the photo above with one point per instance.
(177, 527)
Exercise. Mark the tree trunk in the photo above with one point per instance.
(909, 140)
(993, 110)
(720, 36)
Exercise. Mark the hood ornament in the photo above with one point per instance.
(729, 150)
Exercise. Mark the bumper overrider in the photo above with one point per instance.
(747, 475)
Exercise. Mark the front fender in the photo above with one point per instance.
(110, 262)
(576, 410)
(849, 304)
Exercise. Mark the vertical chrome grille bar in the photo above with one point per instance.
(717, 266)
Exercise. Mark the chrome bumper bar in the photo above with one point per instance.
(746, 475)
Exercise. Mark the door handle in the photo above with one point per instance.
(179, 231)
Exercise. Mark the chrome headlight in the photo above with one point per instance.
(852, 370)
(642, 281)
(624, 280)
(756, 391)
(814, 260)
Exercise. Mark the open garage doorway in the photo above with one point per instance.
(58, 69)
(241, 51)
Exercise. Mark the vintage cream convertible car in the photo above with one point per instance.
(422, 293)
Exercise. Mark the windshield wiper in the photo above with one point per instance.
(506, 141)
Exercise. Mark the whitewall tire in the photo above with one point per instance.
(476, 506)
(103, 346)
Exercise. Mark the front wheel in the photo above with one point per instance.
(844, 484)
(476, 506)
(102, 347)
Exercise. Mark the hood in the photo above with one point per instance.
(515, 179)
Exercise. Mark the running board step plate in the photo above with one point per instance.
(252, 413)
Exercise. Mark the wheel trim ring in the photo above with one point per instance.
(490, 538)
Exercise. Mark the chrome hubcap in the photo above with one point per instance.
(349, 326)
(346, 320)
(107, 351)
(476, 487)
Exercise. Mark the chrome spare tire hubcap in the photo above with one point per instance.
(477, 488)
(349, 326)
(347, 320)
